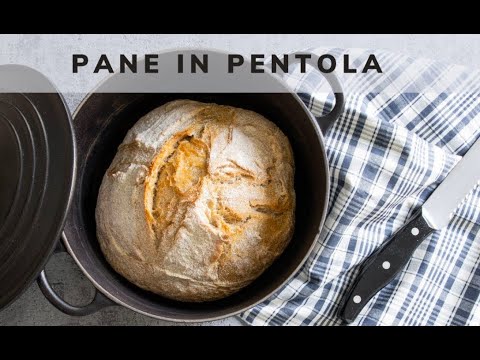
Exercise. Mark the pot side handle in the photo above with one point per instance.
(99, 301)
(326, 121)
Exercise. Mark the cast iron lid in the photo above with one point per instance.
(37, 160)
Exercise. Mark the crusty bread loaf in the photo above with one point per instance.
(198, 201)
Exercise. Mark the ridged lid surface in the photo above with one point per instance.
(37, 162)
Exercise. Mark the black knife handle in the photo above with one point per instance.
(382, 266)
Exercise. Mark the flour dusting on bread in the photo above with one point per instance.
(198, 201)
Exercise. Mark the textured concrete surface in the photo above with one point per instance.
(32, 308)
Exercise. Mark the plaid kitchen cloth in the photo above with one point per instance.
(400, 134)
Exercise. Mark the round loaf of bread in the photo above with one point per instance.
(198, 201)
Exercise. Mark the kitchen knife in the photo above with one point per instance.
(386, 262)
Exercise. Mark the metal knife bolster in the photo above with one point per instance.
(386, 262)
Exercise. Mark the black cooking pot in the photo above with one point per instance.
(100, 124)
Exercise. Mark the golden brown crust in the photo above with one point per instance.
(198, 201)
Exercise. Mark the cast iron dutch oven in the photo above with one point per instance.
(52, 169)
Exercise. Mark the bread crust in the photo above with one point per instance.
(198, 201)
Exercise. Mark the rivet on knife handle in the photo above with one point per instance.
(382, 266)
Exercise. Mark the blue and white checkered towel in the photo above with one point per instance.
(400, 134)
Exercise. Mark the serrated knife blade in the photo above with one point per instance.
(392, 256)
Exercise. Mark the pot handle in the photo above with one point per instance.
(326, 121)
(99, 301)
